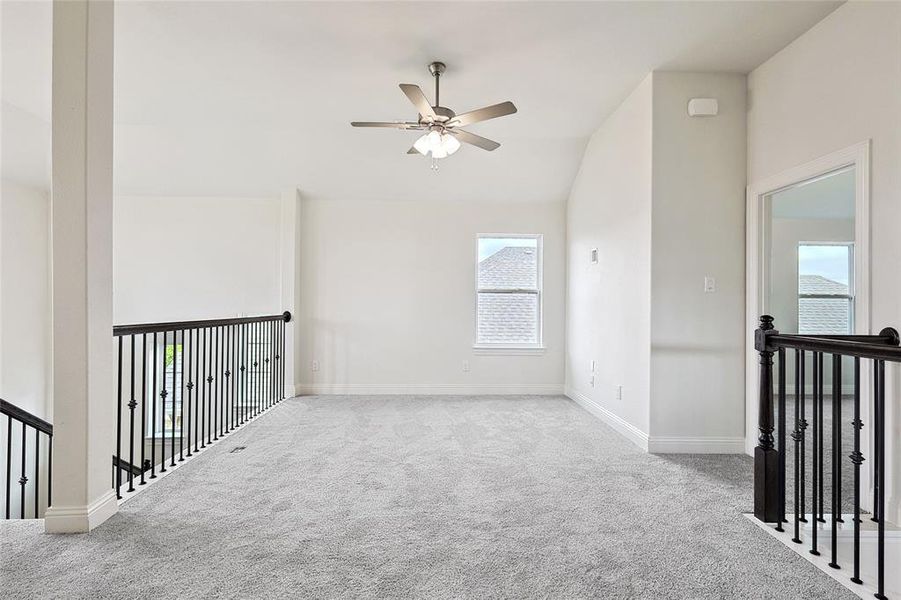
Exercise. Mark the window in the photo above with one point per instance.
(825, 288)
(508, 291)
(171, 379)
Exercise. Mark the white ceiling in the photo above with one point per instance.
(246, 99)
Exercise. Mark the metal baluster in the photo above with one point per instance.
(37, 475)
(208, 393)
(203, 393)
(216, 390)
(856, 460)
(796, 437)
(143, 403)
(189, 386)
(258, 387)
(802, 400)
(22, 479)
(815, 448)
(132, 404)
(198, 384)
(181, 404)
(174, 388)
(781, 441)
(272, 362)
(235, 340)
(9, 455)
(880, 478)
(243, 392)
(877, 460)
(230, 405)
(234, 378)
(821, 496)
(836, 453)
(223, 383)
(163, 395)
(281, 360)
(153, 415)
(278, 360)
(253, 366)
(49, 470)
(118, 467)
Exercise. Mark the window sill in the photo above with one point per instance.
(508, 350)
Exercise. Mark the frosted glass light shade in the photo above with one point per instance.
(422, 144)
(450, 143)
(440, 145)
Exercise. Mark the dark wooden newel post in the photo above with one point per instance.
(766, 457)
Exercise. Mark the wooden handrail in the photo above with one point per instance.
(23, 416)
(120, 330)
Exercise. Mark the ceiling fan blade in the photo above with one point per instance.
(483, 114)
(392, 125)
(475, 140)
(412, 150)
(414, 93)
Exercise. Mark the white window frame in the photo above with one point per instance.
(849, 296)
(520, 347)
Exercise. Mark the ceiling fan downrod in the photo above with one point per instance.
(437, 68)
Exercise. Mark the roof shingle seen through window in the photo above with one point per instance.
(508, 318)
(820, 316)
(512, 267)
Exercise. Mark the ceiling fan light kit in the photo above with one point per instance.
(442, 125)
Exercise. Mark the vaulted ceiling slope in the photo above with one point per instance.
(251, 98)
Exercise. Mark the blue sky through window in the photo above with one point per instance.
(829, 261)
(488, 246)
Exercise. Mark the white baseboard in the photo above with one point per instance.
(695, 445)
(626, 429)
(453, 389)
(81, 519)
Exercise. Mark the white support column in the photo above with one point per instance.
(82, 207)
(289, 279)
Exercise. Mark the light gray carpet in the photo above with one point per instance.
(424, 497)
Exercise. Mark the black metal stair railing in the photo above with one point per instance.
(180, 386)
(770, 453)
(28, 427)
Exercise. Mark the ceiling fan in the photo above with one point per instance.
(442, 125)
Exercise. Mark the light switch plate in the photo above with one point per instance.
(709, 284)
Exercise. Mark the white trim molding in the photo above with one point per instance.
(658, 444)
(857, 156)
(80, 519)
(623, 427)
(451, 389)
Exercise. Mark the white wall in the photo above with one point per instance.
(835, 86)
(25, 338)
(608, 304)
(25, 304)
(195, 258)
(698, 217)
(387, 297)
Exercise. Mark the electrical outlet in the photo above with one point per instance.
(315, 365)
(466, 366)
(619, 392)
(591, 380)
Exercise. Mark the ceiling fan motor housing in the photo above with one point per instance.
(442, 114)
